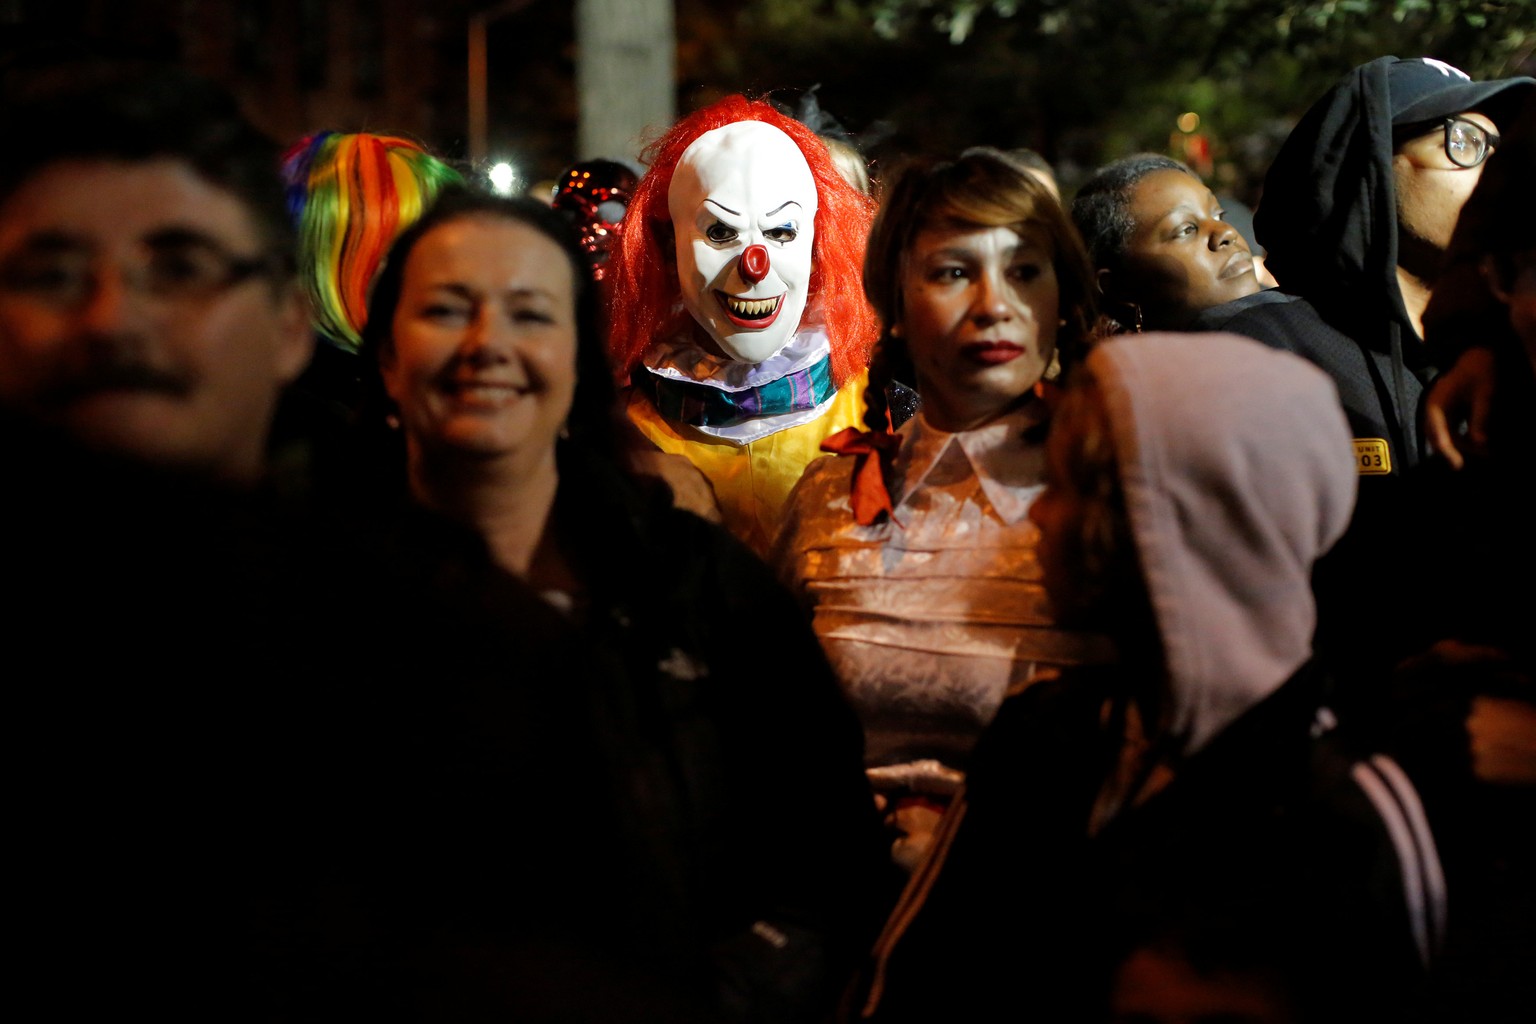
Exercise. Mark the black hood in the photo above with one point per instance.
(1329, 213)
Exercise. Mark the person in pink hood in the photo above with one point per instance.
(1192, 483)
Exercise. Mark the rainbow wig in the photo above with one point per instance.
(350, 196)
(646, 297)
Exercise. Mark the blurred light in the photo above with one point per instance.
(503, 178)
(1188, 122)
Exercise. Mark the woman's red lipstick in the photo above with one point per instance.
(992, 353)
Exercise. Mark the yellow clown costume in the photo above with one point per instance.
(751, 479)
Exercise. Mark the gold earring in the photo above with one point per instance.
(1053, 368)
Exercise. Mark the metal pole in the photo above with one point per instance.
(479, 74)
(477, 90)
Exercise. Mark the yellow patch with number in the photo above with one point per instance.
(1372, 456)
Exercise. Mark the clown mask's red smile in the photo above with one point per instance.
(750, 314)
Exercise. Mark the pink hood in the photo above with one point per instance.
(1239, 472)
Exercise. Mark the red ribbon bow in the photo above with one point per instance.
(869, 497)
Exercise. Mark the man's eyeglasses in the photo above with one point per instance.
(1468, 143)
(176, 267)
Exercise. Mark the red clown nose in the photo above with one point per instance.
(754, 264)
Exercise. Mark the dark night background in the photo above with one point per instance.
(1082, 81)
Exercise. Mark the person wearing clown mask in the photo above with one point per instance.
(737, 310)
(743, 206)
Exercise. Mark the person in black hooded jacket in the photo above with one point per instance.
(1358, 208)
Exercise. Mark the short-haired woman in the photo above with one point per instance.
(913, 550)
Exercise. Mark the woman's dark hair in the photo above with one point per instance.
(1107, 572)
(1102, 207)
(1105, 543)
(983, 188)
(591, 421)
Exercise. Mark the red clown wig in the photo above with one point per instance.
(646, 296)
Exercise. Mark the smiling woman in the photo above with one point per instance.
(484, 328)
(483, 360)
(490, 355)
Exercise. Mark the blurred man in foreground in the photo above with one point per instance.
(147, 300)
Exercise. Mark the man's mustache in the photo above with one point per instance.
(100, 376)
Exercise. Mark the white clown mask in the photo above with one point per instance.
(743, 206)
